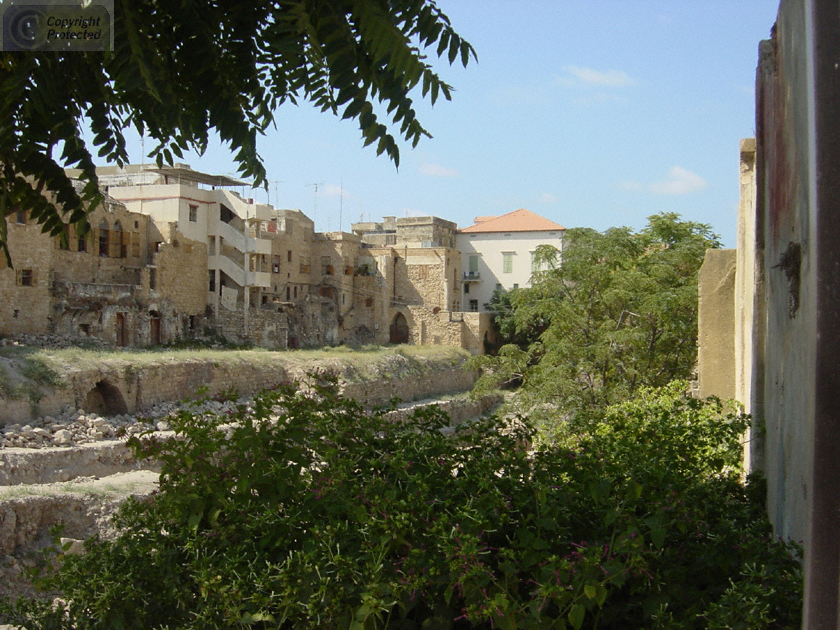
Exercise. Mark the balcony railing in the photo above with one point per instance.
(472, 276)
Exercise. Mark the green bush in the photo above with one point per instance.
(309, 512)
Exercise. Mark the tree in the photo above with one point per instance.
(307, 511)
(181, 70)
(618, 314)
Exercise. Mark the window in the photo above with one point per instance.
(515, 285)
(275, 267)
(473, 265)
(507, 262)
(466, 288)
(26, 278)
(326, 266)
(304, 264)
(104, 237)
(82, 243)
(135, 244)
(289, 256)
(120, 241)
(193, 213)
(473, 306)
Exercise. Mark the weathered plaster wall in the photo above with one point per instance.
(784, 199)
(798, 221)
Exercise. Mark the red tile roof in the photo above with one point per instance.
(517, 221)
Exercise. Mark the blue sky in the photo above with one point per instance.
(591, 113)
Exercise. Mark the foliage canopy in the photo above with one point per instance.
(308, 512)
(619, 312)
(181, 70)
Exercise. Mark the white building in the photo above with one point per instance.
(498, 253)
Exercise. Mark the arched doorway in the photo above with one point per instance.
(154, 328)
(105, 399)
(399, 329)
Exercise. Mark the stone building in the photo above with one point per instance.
(104, 283)
(176, 252)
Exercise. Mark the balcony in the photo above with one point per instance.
(472, 276)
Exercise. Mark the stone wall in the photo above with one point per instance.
(120, 386)
(266, 327)
(182, 273)
(25, 288)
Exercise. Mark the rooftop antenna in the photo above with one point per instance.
(315, 201)
(276, 191)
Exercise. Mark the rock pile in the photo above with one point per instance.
(79, 427)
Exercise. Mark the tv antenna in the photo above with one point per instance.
(276, 191)
(315, 201)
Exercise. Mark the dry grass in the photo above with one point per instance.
(365, 362)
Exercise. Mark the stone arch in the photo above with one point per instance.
(399, 331)
(105, 399)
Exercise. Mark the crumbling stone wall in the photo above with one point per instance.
(267, 327)
(130, 387)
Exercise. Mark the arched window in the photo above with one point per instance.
(120, 242)
(104, 238)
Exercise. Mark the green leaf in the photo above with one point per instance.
(601, 595)
(576, 615)
(590, 590)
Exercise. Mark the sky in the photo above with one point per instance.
(595, 113)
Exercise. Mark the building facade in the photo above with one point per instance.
(498, 254)
(175, 253)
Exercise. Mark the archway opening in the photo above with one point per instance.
(399, 329)
(105, 399)
(154, 328)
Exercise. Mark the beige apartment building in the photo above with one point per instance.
(175, 253)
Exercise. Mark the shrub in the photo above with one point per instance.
(309, 512)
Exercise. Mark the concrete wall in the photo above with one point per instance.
(797, 222)
(716, 324)
(749, 311)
